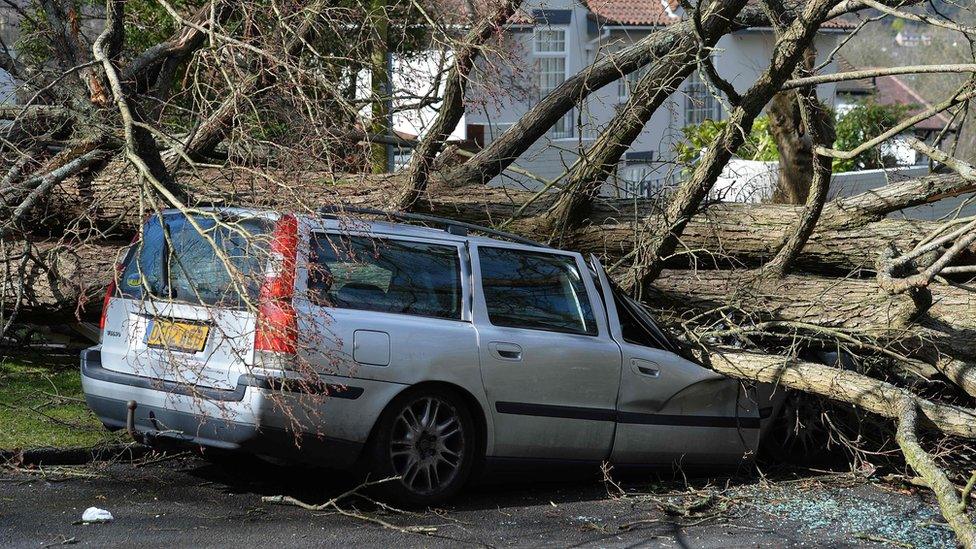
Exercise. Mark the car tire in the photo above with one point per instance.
(426, 442)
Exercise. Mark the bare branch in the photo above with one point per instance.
(788, 52)
(953, 507)
(960, 97)
(873, 73)
(452, 108)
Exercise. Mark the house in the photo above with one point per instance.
(908, 39)
(553, 39)
(894, 90)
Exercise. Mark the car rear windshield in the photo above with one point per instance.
(174, 261)
(385, 275)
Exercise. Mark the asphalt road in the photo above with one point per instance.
(188, 502)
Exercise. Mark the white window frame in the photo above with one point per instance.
(628, 81)
(536, 31)
(563, 129)
(700, 103)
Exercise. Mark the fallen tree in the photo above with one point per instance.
(251, 125)
(852, 230)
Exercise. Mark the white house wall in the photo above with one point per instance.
(413, 78)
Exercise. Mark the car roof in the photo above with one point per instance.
(356, 224)
(387, 228)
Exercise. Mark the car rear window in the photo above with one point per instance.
(385, 275)
(535, 290)
(174, 261)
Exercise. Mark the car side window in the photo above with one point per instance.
(385, 275)
(535, 290)
(632, 329)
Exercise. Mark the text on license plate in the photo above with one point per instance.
(177, 336)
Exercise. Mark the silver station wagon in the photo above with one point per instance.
(421, 352)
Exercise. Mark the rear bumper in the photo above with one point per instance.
(244, 418)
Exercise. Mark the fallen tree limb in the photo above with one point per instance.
(953, 507)
(867, 393)
(452, 107)
(333, 505)
(56, 279)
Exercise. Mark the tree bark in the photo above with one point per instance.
(56, 280)
(818, 123)
(953, 508)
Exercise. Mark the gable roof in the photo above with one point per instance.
(891, 90)
(660, 13)
(894, 91)
(636, 12)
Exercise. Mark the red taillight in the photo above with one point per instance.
(109, 292)
(277, 329)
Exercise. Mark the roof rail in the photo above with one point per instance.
(452, 226)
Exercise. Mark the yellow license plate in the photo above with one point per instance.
(178, 336)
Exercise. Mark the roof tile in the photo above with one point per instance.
(659, 13)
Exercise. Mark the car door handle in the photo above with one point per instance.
(505, 351)
(645, 368)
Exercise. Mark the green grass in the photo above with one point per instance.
(41, 404)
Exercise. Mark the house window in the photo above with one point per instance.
(549, 47)
(550, 40)
(700, 104)
(626, 84)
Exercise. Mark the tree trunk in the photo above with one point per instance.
(56, 280)
(851, 232)
(380, 83)
(795, 149)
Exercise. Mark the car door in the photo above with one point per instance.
(671, 409)
(379, 313)
(549, 366)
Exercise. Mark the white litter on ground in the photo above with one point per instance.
(94, 514)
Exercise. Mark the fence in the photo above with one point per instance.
(740, 181)
(752, 181)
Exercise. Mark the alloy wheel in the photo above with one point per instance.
(428, 444)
